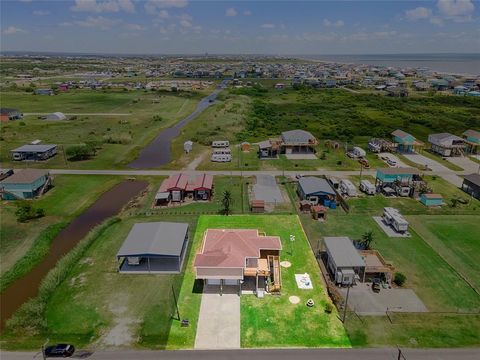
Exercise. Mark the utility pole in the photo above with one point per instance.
(346, 304)
(361, 170)
(43, 349)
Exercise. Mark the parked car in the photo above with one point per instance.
(59, 350)
(376, 285)
(364, 163)
(391, 162)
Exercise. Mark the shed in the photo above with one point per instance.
(155, 247)
(245, 146)
(188, 146)
(257, 206)
(342, 259)
(56, 116)
(431, 199)
(34, 152)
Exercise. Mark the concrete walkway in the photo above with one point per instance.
(437, 168)
(219, 319)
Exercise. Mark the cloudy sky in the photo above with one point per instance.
(274, 27)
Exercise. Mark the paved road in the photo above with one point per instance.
(465, 163)
(82, 114)
(437, 168)
(277, 354)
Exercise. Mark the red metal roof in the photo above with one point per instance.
(230, 247)
(187, 183)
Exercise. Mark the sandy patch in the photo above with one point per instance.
(294, 299)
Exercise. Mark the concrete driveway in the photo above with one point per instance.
(366, 302)
(390, 156)
(219, 319)
(465, 163)
(267, 189)
(437, 168)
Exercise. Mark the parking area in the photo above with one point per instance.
(438, 168)
(219, 319)
(266, 189)
(364, 301)
(465, 163)
(388, 230)
(390, 156)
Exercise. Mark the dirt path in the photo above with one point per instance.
(197, 161)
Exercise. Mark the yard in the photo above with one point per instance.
(121, 137)
(272, 321)
(70, 196)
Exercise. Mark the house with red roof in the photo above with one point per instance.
(243, 258)
(178, 187)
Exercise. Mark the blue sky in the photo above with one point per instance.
(273, 27)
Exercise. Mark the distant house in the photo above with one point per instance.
(472, 141)
(187, 146)
(473, 93)
(446, 144)
(343, 260)
(44, 92)
(431, 199)
(7, 114)
(388, 176)
(440, 84)
(421, 86)
(315, 190)
(63, 87)
(471, 185)
(56, 116)
(279, 86)
(236, 256)
(269, 149)
(298, 142)
(396, 91)
(377, 145)
(460, 90)
(177, 187)
(155, 247)
(25, 184)
(405, 143)
(31, 152)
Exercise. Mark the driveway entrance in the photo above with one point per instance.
(219, 319)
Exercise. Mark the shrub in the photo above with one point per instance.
(22, 123)
(328, 308)
(80, 152)
(25, 211)
(399, 279)
(122, 138)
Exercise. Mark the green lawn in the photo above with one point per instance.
(139, 126)
(432, 278)
(272, 321)
(456, 239)
(70, 196)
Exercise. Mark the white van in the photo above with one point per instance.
(367, 187)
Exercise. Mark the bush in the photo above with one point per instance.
(25, 211)
(122, 138)
(399, 279)
(328, 308)
(80, 152)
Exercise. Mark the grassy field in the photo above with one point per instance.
(455, 239)
(271, 321)
(138, 128)
(70, 196)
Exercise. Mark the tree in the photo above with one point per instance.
(226, 203)
(25, 211)
(367, 239)
(80, 152)
(399, 278)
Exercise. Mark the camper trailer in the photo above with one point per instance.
(392, 217)
(221, 158)
(367, 187)
(347, 188)
(221, 151)
(334, 182)
(220, 144)
(357, 153)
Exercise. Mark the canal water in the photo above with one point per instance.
(108, 204)
(158, 152)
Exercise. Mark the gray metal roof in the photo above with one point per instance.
(297, 137)
(311, 185)
(343, 252)
(443, 136)
(473, 178)
(154, 238)
(34, 148)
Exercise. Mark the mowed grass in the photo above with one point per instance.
(272, 321)
(437, 284)
(96, 303)
(456, 239)
(70, 196)
(139, 125)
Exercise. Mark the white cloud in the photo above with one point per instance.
(12, 30)
(97, 22)
(435, 20)
(99, 6)
(135, 27)
(337, 24)
(231, 12)
(152, 6)
(267, 26)
(455, 7)
(247, 13)
(41, 13)
(163, 14)
(418, 13)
